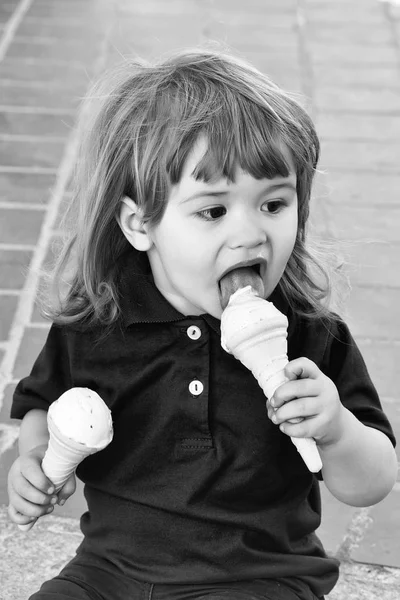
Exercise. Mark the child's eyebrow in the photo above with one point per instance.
(217, 194)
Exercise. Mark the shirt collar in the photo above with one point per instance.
(142, 302)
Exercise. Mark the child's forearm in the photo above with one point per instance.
(33, 431)
(361, 468)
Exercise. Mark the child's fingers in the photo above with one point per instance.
(297, 388)
(30, 493)
(17, 517)
(301, 408)
(27, 508)
(67, 490)
(33, 473)
(302, 368)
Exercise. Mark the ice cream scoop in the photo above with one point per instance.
(255, 332)
(79, 425)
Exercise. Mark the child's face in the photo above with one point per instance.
(209, 228)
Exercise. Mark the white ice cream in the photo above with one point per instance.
(82, 416)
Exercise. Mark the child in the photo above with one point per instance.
(189, 169)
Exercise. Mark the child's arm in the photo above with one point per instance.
(30, 492)
(359, 462)
(360, 468)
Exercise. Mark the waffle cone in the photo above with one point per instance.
(259, 341)
(62, 456)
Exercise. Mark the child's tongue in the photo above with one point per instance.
(237, 279)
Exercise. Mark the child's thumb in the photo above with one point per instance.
(67, 489)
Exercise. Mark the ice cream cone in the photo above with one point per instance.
(62, 456)
(83, 415)
(255, 332)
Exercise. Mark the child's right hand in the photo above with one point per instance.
(31, 494)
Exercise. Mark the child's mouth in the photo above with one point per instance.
(238, 278)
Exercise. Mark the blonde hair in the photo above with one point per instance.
(137, 128)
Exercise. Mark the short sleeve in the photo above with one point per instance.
(344, 364)
(50, 376)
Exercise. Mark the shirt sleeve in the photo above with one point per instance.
(344, 364)
(50, 376)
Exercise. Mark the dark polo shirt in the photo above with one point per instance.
(197, 485)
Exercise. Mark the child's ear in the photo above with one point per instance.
(132, 226)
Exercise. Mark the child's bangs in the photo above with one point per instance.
(239, 135)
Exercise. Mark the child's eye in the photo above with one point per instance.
(213, 213)
(274, 206)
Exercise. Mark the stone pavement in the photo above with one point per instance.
(343, 56)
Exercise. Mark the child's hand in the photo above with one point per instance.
(31, 494)
(310, 397)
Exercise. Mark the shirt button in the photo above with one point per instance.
(196, 387)
(194, 332)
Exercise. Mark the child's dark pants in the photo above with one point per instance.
(78, 582)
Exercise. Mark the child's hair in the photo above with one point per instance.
(138, 127)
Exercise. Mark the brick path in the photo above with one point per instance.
(344, 56)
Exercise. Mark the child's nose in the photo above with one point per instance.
(246, 231)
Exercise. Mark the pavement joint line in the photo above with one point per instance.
(57, 85)
(22, 206)
(57, 21)
(305, 60)
(36, 110)
(354, 533)
(9, 292)
(5, 137)
(8, 436)
(370, 341)
(19, 247)
(12, 26)
(38, 325)
(387, 11)
(363, 113)
(34, 39)
(28, 170)
(54, 62)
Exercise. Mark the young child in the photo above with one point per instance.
(189, 169)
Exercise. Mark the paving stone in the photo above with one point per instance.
(355, 126)
(357, 99)
(63, 9)
(28, 69)
(374, 263)
(363, 156)
(74, 51)
(63, 98)
(346, 188)
(6, 10)
(42, 125)
(26, 187)
(20, 225)
(336, 517)
(346, 55)
(366, 223)
(14, 265)
(356, 32)
(8, 305)
(366, 582)
(60, 29)
(381, 543)
(382, 359)
(32, 343)
(334, 13)
(371, 310)
(33, 557)
(375, 77)
(31, 153)
(391, 406)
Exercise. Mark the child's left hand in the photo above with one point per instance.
(310, 396)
